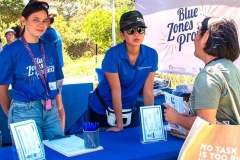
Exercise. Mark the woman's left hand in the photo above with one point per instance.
(171, 114)
(114, 129)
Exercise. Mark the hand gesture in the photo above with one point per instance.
(171, 114)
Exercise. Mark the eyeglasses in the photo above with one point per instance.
(37, 3)
(140, 30)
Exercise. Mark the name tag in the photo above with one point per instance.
(48, 104)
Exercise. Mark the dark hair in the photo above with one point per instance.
(31, 8)
(51, 19)
(18, 30)
(223, 37)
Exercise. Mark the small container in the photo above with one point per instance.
(91, 139)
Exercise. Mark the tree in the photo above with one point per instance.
(98, 24)
(10, 10)
(69, 8)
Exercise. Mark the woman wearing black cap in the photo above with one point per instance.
(128, 67)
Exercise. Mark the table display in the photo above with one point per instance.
(118, 146)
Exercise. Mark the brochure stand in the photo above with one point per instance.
(152, 129)
(27, 140)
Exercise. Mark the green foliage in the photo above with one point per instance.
(67, 8)
(85, 68)
(71, 8)
(98, 25)
(10, 10)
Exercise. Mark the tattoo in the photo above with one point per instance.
(59, 86)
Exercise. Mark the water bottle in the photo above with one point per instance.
(0, 139)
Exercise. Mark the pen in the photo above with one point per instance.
(89, 126)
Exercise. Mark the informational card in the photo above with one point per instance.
(152, 129)
(27, 140)
(177, 103)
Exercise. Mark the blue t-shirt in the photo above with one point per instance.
(52, 36)
(132, 78)
(18, 69)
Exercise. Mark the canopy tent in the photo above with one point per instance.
(172, 27)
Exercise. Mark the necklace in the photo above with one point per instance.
(132, 63)
(133, 59)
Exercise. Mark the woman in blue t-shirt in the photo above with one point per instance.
(128, 67)
(33, 69)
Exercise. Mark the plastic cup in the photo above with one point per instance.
(91, 139)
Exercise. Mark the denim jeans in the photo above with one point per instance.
(47, 121)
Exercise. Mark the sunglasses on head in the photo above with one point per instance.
(203, 26)
(140, 30)
(37, 3)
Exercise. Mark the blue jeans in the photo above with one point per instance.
(47, 121)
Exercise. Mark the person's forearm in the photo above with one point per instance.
(148, 98)
(117, 106)
(5, 102)
(62, 117)
(61, 110)
(185, 122)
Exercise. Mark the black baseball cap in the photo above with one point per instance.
(131, 19)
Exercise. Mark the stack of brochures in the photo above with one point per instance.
(177, 103)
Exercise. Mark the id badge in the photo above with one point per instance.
(48, 104)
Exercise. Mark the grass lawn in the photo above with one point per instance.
(85, 68)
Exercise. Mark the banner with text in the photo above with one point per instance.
(173, 25)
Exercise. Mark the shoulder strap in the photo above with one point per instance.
(230, 93)
(105, 105)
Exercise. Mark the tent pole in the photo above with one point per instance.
(113, 24)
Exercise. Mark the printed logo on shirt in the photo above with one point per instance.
(32, 71)
(52, 85)
(147, 67)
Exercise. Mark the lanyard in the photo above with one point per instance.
(42, 77)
